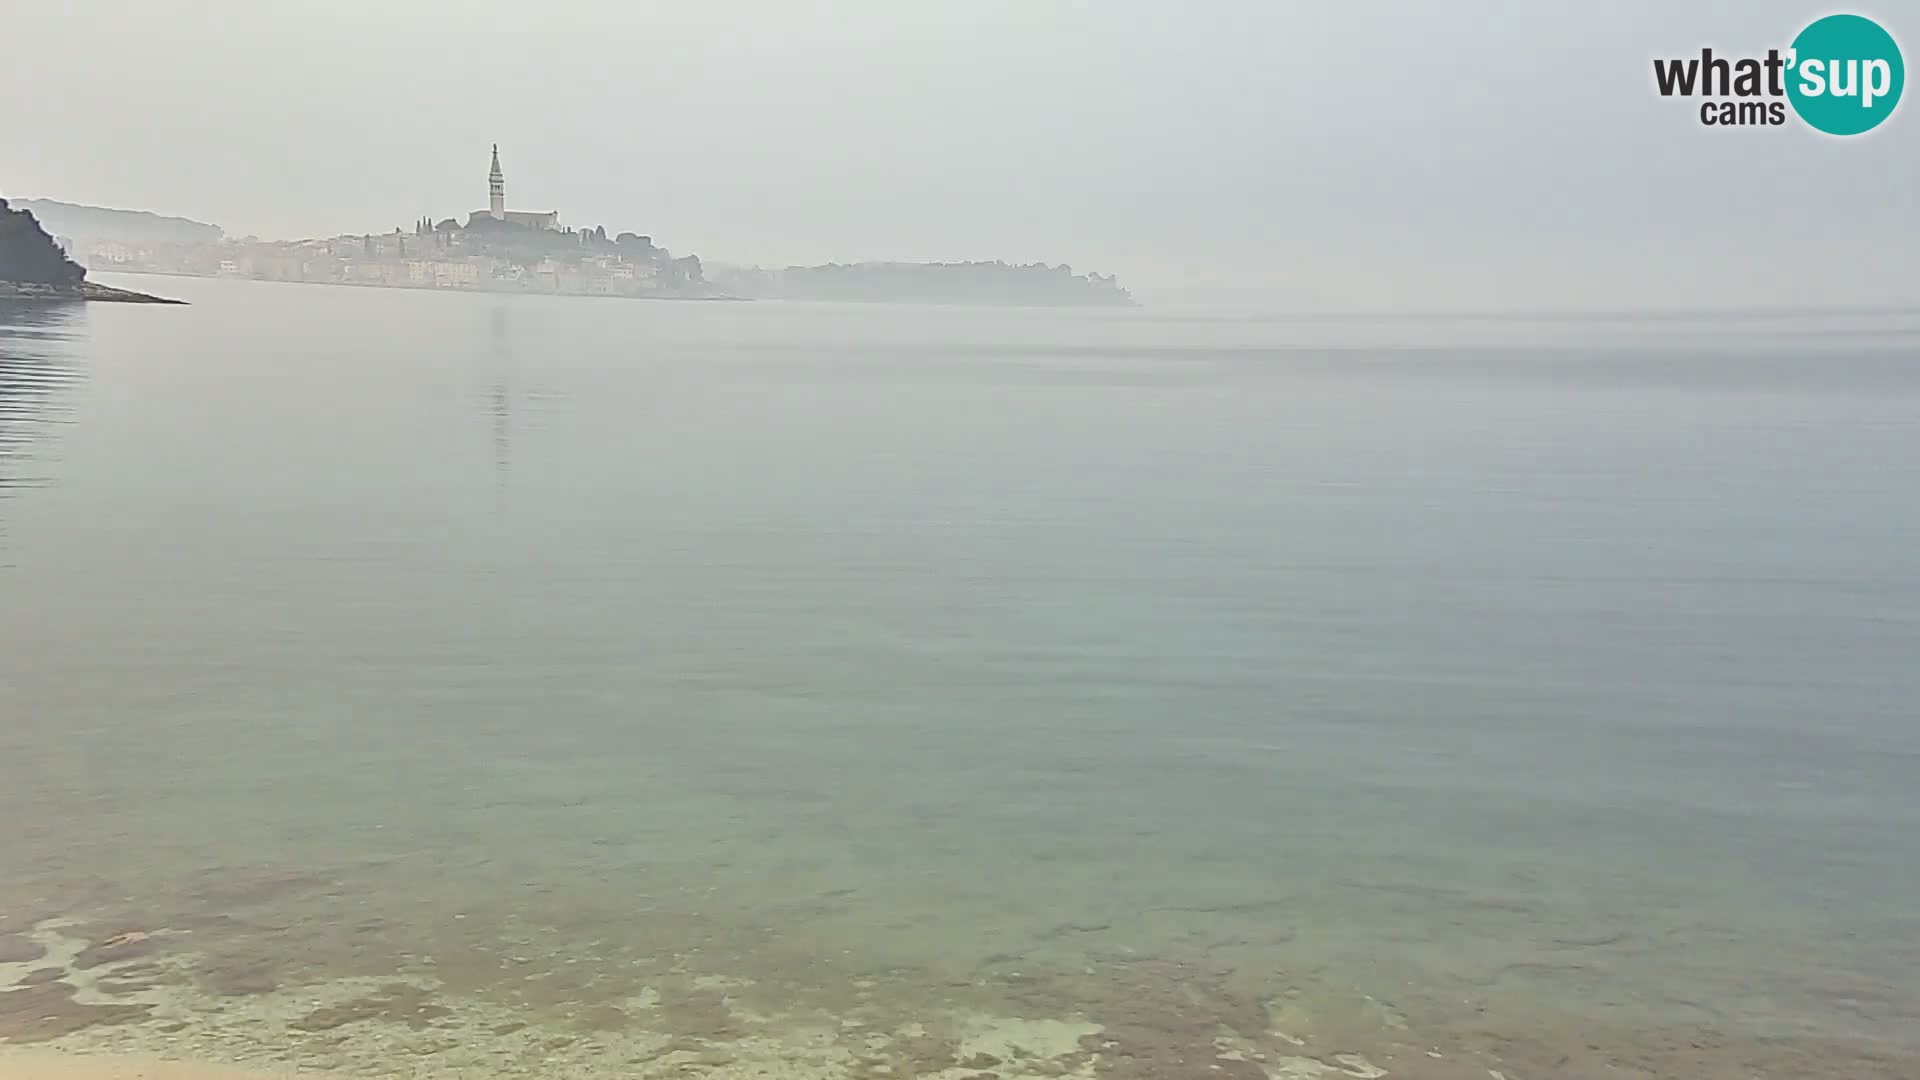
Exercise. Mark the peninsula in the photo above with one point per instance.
(497, 249)
(32, 266)
(494, 249)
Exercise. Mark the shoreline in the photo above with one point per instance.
(720, 299)
(971, 1045)
(86, 291)
(723, 298)
(163, 1005)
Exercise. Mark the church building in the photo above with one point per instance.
(497, 213)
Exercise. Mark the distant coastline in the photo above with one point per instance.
(508, 251)
(992, 284)
(704, 298)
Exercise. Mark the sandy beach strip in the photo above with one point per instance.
(35, 1065)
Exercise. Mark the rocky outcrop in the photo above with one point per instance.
(85, 290)
(28, 256)
(32, 266)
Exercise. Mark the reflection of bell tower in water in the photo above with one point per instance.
(502, 395)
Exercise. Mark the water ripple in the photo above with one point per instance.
(38, 380)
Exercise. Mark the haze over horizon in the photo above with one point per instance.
(1398, 156)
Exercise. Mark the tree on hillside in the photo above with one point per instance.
(685, 271)
(29, 255)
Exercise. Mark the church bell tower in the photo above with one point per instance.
(496, 189)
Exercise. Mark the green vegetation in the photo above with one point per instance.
(28, 256)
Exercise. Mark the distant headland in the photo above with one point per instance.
(33, 266)
(985, 283)
(496, 249)
(82, 227)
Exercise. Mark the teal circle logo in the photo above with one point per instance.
(1845, 74)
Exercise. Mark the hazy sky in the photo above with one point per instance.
(1406, 154)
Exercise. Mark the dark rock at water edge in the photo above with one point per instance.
(32, 267)
(86, 290)
(93, 290)
(29, 256)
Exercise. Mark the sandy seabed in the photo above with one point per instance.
(108, 1010)
(29, 1065)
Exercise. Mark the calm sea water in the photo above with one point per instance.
(410, 683)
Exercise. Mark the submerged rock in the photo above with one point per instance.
(44, 1011)
(19, 949)
(119, 948)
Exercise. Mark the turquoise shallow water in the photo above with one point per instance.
(431, 683)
